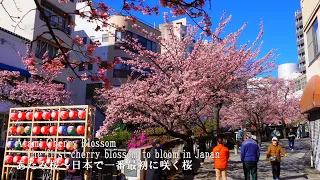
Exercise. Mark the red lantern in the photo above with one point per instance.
(51, 145)
(55, 115)
(36, 130)
(64, 115)
(25, 145)
(35, 145)
(24, 159)
(80, 130)
(20, 129)
(16, 159)
(12, 130)
(46, 115)
(53, 130)
(33, 160)
(22, 115)
(50, 160)
(9, 159)
(14, 116)
(60, 145)
(38, 115)
(73, 114)
(43, 145)
(42, 160)
(45, 130)
(29, 116)
(82, 114)
(60, 161)
(69, 146)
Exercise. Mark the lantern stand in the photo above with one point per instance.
(88, 122)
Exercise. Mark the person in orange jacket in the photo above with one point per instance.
(221, 156)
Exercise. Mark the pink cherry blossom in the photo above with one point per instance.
(176, 88)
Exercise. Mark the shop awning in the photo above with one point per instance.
(23, 72)
(310, 99)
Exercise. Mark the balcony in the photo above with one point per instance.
(302, 59)
(303, 68)
(300, 32)
(300, 41)
(299, 23)
(301, 50)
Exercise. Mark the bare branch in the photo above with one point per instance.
(11, 17)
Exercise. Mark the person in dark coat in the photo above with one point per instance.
(75, 174)
(155, 172)
(202, 146)
(291, 137)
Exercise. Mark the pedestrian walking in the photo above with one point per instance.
(221, 157)
(201, 147)
(250, 154)
(274, 156)
(276, 133)
(291, 137)
(156, 172)
(240, 136)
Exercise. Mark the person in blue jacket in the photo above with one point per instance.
(250, 153)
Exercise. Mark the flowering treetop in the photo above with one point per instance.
(176, 87)
(266, 101)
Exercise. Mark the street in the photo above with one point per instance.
(295, 166)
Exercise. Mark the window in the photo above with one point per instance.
(84, 40)
(42, 47)
(313, 41)
(56, 21)
(104, 37)
(90, 90)
(82, 67)
(90, 66)
(315, 36)
(149, 45)
(119, 36)
(122, 70)
(91, 39)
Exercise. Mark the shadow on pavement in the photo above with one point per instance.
(305, 176)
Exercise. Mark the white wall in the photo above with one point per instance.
(9, 56)
(27, 24)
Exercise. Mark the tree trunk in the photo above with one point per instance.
(284, 130)
(216, 116)
(259, 136)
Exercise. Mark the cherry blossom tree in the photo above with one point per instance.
(39, 90)
(98, 13)
(176, 88)
(266, 101)
(287, 106)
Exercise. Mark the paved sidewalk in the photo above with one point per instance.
(294, 166)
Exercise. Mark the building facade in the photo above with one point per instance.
(15, 33)
(300, 42)
(310, 101)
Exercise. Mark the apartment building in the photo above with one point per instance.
(310, 102)
(179, 30)
(300, 42)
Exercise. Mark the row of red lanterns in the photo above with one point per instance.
(46, 115)
(9, 159)
(45, 130)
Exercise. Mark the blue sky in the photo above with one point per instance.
(277, 17)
